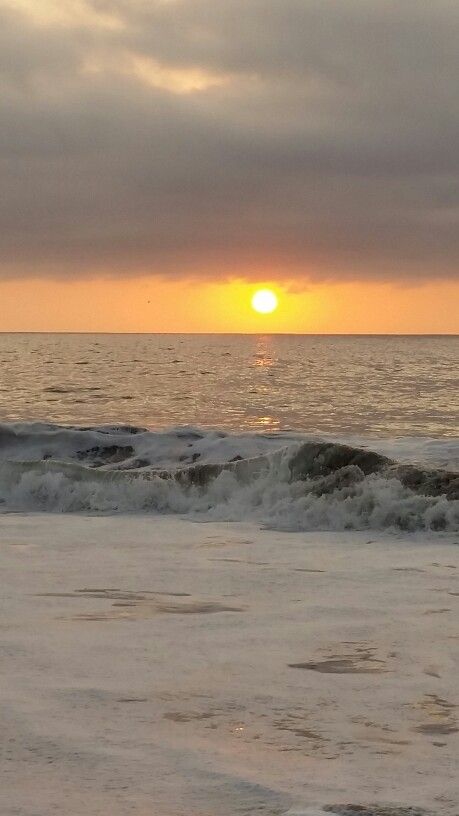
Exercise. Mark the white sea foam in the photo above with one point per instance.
(210, 475)
(178, 445)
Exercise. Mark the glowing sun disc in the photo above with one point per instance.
(264, 301)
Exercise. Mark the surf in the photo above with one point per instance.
(289, 483)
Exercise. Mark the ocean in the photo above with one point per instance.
(211, 425)
(230, 575)
(385, 386)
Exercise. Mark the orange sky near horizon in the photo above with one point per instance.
(165, 305)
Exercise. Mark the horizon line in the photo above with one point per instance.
(237, 334)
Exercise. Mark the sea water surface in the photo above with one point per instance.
(295, 433)
(387, 386)
(161, 660)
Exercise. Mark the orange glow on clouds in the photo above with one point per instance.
(159, 305)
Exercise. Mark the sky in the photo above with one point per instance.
(161, 159)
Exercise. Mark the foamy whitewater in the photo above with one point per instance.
(285, 481)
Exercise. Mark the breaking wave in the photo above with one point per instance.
(285, 481)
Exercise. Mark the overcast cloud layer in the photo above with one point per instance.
(292, 138)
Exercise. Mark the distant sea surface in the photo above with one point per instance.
(376, 385)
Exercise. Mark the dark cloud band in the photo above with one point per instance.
(302, 139)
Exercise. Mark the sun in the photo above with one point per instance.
(264, 301)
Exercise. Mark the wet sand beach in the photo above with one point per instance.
(152, 665)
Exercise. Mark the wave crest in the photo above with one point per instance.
(295, 486)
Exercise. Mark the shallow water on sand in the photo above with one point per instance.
(179, 669)
(383, 386)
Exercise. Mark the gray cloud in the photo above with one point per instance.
(321, 140)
